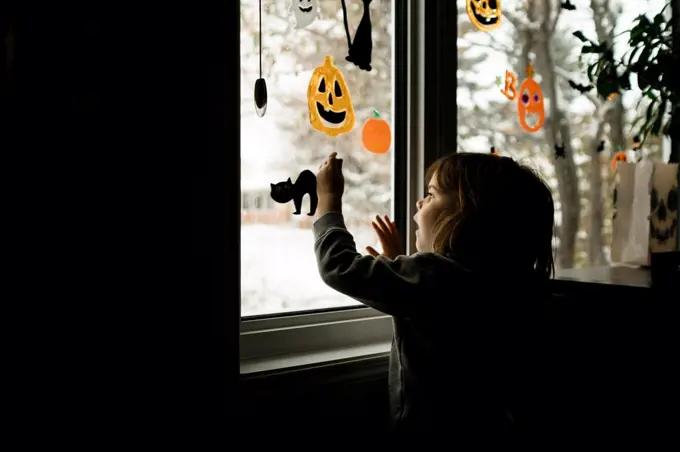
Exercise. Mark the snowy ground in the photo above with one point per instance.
(279, 272)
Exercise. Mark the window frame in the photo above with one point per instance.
(300, 333)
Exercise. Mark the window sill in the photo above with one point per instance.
(306, 360)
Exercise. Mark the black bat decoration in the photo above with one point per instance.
(600, 147)
(568, 5)
(559, 151)
(581, 88)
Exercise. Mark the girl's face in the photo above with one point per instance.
(429, 210)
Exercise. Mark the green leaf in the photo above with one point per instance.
(656, 127)
(593, 71)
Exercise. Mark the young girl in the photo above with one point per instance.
(465, 306)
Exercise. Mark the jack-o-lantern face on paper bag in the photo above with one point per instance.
(329, 101)
(530, 108)
(484, 14)
(663, 225)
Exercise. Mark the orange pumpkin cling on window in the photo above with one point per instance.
(619, 157)
(484, 14)
(376, 135)
(330, 105)
(530, 108)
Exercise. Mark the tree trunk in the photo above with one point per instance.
(604, 19)
(557, 130)
(595, 198)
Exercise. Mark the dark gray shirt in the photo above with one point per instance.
(454, 332)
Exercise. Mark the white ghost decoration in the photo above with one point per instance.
(304, 11)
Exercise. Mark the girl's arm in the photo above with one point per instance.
(395, 287)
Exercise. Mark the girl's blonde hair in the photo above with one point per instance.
(501, 217)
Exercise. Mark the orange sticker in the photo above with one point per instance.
(486, 15)
(509, 90)
(530, 106)
(619, 157)
(330, 104)
(376, 135)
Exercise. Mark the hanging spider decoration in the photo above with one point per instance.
(260, 94)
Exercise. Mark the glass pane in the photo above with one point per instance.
(540, 31)
(278, 267)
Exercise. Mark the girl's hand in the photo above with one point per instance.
(330, 185)
(330, 180)
(389, 236)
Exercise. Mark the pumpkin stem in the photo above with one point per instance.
(376, 113)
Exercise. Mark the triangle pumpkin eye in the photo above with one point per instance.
(322, 85)
(338, 91)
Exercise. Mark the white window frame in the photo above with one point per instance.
(305, 333)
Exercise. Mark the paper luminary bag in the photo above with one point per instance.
(645, 211)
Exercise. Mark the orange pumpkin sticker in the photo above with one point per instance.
(486, 15)
(493, 151)
(619, 157)
(330, 104)
(530, 107)
(376, 135)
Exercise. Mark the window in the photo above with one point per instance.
(541, 32)
(278, 265)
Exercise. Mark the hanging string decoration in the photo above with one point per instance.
(361, 48)
(485, 15)
(260, 94)
(329, 101)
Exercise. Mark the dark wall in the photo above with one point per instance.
(606, 374)
(320, 402)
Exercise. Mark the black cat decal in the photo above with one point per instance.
(361, 48)
(305, 184)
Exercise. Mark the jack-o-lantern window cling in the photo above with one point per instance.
(484, 14)
(329, 101)
(530, 107)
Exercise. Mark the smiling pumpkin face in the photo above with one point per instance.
(329, 101)
(484, 14)
(530, 108)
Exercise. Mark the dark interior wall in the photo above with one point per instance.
(605, 374)
(322, 401)
(118, 136)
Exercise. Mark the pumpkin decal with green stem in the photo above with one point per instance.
(376, 135)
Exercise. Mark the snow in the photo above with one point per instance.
(279, 271)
